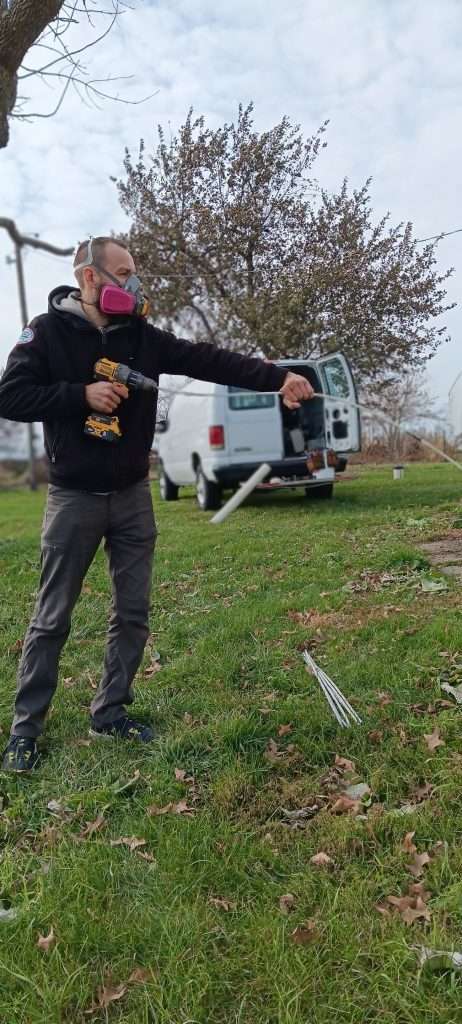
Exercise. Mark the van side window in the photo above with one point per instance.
(336, 378)
(239, 399)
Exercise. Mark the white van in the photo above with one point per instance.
(216, 437)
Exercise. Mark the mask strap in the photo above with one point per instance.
(90, 262)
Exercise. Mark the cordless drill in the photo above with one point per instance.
(107, 428)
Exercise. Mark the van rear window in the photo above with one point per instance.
(337, 381)
(239, 399)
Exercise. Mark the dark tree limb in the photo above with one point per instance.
(35, 243)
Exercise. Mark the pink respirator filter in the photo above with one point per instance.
(116, 300)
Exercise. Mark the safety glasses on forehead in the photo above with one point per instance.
(121, 300)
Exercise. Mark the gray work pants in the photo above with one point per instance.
(74, 525)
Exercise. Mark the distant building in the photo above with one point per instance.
(14, 442)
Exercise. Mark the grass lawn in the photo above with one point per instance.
(188, 925)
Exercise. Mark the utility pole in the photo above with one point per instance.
(19, 242)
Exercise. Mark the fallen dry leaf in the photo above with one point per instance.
(411, 907)
(344, 764)
(140, 975)
(16, 648)
(105, 995)
(272, 752)
(305, 933)
(286, 903)
(92, 827)
(433, 740)
(417, 865)
(46, 942)
(383, 699)
(68, 682)
(179, 808)
(345, 805)
(181, 775)
(303, 618)
(321, 860)
(189, 720)
(439, 847)
(221, 903)
(285, 729)
(407, 844)
(423, 792)
(375, 735)
(131, 841)
(400, 903)
(146, 856)
(418, 889)
(82, 743)
(420, 910)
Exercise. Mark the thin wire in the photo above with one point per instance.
(443, 234)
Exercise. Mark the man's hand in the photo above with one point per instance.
(104, 396)
(294, 390)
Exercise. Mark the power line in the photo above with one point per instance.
(443, 234)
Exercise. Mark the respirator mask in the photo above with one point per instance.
(117, 299)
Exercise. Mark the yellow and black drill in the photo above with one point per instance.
(107, 428)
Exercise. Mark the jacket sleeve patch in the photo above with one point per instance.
(26, 335)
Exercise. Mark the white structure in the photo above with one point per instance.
(455, 407)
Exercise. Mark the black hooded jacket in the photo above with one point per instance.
(48, 369)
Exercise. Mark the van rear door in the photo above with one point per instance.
(343, 424)
(253, 426)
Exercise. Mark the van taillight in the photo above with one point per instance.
(217, 437)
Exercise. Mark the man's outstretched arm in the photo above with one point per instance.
(220, 366)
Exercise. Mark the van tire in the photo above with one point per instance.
(323, 491)
(208, 493)
(168, 490)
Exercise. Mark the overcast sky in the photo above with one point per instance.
(386, 73)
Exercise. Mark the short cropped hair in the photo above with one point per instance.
(98, 246)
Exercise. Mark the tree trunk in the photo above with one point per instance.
(20, 27)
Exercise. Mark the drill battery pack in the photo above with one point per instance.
(105, 428)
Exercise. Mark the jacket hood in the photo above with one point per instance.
(64, 299)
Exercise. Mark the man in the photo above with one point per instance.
(100, 490)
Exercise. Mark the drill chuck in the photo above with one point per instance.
(105, 369)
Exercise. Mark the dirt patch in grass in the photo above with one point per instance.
(446, 553)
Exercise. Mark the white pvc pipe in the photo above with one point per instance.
(242, 493)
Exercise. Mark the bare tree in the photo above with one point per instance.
(38, 40)
(407, 402)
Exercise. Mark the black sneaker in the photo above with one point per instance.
(125, 728)
(21, 754)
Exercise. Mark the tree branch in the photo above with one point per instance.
(201, 314)
(35, 243)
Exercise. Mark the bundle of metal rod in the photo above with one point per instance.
(340, 707)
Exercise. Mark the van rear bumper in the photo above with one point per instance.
(229, 475)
